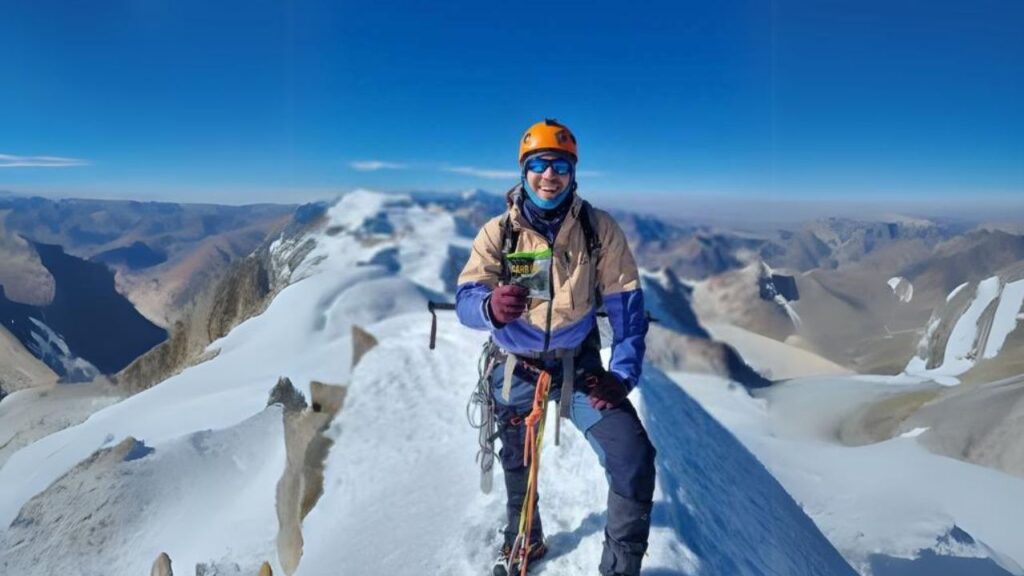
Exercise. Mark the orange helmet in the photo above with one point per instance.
(545, 136)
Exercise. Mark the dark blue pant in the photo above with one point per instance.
(621, 443)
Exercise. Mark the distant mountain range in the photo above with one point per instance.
(87, 286)
(835, 272)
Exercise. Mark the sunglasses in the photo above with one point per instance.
(561, 166)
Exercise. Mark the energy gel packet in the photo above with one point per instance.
(533, 271)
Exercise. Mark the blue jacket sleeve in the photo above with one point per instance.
(629, 328)
(472, 306)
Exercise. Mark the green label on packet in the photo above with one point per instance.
(533, 271)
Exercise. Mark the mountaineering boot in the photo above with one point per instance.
(502, 567)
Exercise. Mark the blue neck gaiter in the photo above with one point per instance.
(541, 202)
(547, 222)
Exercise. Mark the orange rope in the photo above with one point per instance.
(534, 422)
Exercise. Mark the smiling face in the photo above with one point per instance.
(548, 184)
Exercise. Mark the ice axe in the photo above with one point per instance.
(434, 307)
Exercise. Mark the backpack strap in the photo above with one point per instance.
(588, 220)
(509, 239)
(589, 223)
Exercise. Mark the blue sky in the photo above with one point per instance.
(286, 101)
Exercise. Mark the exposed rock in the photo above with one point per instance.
(162, 253)
(773, 359)
(932, 347)
(674, 352)
(162, 566)
(22, 274)
(883, 419)
(218, 569)
(285, 394)
(87, 326)
(772, 285)
(245, 290)
(982, 424)
(673, 300)
(327, 399)
(734, 298)
(19, 369)
(31, 414)
(302, 483)
(362, 342)
(245, 295)
(954, 552)
(107, 513)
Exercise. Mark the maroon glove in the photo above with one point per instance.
(605, 390)
(508, 302)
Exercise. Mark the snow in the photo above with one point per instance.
(1006, 317)
(956, 291)
(902, 288)
(304, 334)
(403, 395)
(773, 359)
(401, 483)
(893, 498)
(402, 471)
(960, 354)
(50, 346)
(914, 433)
(965, 333)
(781, 300)
(790, 311)
(709, 514)
(355, 207)
(33, 413)
(184, 497)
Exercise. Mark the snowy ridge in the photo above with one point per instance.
(304, 334)
(50, 347)
(717, 510)
(401, 484)
(182, 497)
(978, 332)
(402, 469)
(1006, 318)
(887, 500)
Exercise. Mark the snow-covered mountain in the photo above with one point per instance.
(161, 252)
(971, 326)
(192, 466)
(87, 328)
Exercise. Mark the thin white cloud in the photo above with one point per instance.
(483, 173)
(375, 165)
(12, 161)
